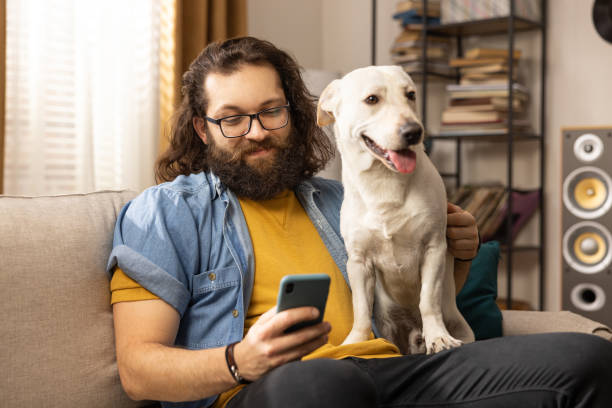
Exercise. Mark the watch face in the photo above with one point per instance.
(602, 18)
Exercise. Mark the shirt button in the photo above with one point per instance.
(212, 276)
(235, 313)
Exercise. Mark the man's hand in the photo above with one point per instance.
(461, 232)
(266, 346)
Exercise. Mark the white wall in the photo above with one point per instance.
(293, 25)
(335, 35)
(579, 94)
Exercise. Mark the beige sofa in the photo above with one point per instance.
(56, 343)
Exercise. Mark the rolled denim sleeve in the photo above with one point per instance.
(155, 243)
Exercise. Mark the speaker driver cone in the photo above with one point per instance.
(590, 193)
(586, 247)
(588, 297)
(590, 248)
(586, 192)
(588, 147)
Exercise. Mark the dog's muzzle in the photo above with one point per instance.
(402, 161)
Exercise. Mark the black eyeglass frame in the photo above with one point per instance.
(251, 116)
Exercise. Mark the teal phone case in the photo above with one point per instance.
(303, 290)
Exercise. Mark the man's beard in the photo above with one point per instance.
(265, 178)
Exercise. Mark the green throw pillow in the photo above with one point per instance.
(476, 301)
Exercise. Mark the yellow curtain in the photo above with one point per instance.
(2, 87)
(186, 27)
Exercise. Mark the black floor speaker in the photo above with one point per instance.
(587, 222)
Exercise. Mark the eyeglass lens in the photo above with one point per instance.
(270, 119)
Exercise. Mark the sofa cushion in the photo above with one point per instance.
(517, 323)
(57, 341)
(476, 301)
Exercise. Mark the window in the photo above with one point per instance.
(82, 96)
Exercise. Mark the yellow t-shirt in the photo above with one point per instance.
(125, 289)
(285, 242)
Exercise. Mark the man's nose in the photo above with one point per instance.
(257, 132)
(411, 133)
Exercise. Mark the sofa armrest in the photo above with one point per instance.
(516, 322)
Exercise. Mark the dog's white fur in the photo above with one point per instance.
(393, 224)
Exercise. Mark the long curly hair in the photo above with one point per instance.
(186, 153)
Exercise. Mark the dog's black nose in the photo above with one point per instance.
(411, 133)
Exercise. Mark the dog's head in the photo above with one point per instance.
(375, 108)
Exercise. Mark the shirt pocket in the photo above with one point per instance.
(215, 314)
(207, 283)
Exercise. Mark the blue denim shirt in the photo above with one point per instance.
(187, 242)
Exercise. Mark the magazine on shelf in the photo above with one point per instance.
(516, 123)
(410, 17)
(473, 116)
(486, 87)
(486, 69)
(433, 6)
(487, 79)
(433, 53)
(489, 206)
(466, 62)
(498, 102)
(478, 53)
(488, 93)
(480, 129)
(472, 132)
(484, 107)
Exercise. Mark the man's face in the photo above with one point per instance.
(262, 163)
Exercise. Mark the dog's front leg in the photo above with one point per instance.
(435, 333)
(362, 280)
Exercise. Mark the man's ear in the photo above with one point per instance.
(328, 102)
(200, 127)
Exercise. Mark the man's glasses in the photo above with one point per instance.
(240, 125)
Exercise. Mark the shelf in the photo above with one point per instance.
(490, 26)
(497, 137)
(509, 26)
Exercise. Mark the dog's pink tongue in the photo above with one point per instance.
(403, 160)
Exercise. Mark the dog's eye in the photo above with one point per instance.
(371, 100)
(411, 95)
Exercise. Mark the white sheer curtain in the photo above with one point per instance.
(82, 104)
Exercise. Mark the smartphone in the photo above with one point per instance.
(303, 290)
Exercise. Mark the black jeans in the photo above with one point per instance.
(543, 370)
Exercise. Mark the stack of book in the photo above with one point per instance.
(479, 103)
(484, 203)
(410, 12)
(489, 206)
(407, 49)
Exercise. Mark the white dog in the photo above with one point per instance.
(393, 217)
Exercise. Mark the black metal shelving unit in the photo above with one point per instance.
(508, 26)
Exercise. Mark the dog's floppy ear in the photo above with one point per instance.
(327, 103)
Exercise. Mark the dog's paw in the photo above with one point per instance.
(354, 337)
(442, 343)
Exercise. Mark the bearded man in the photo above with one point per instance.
(197, 261)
